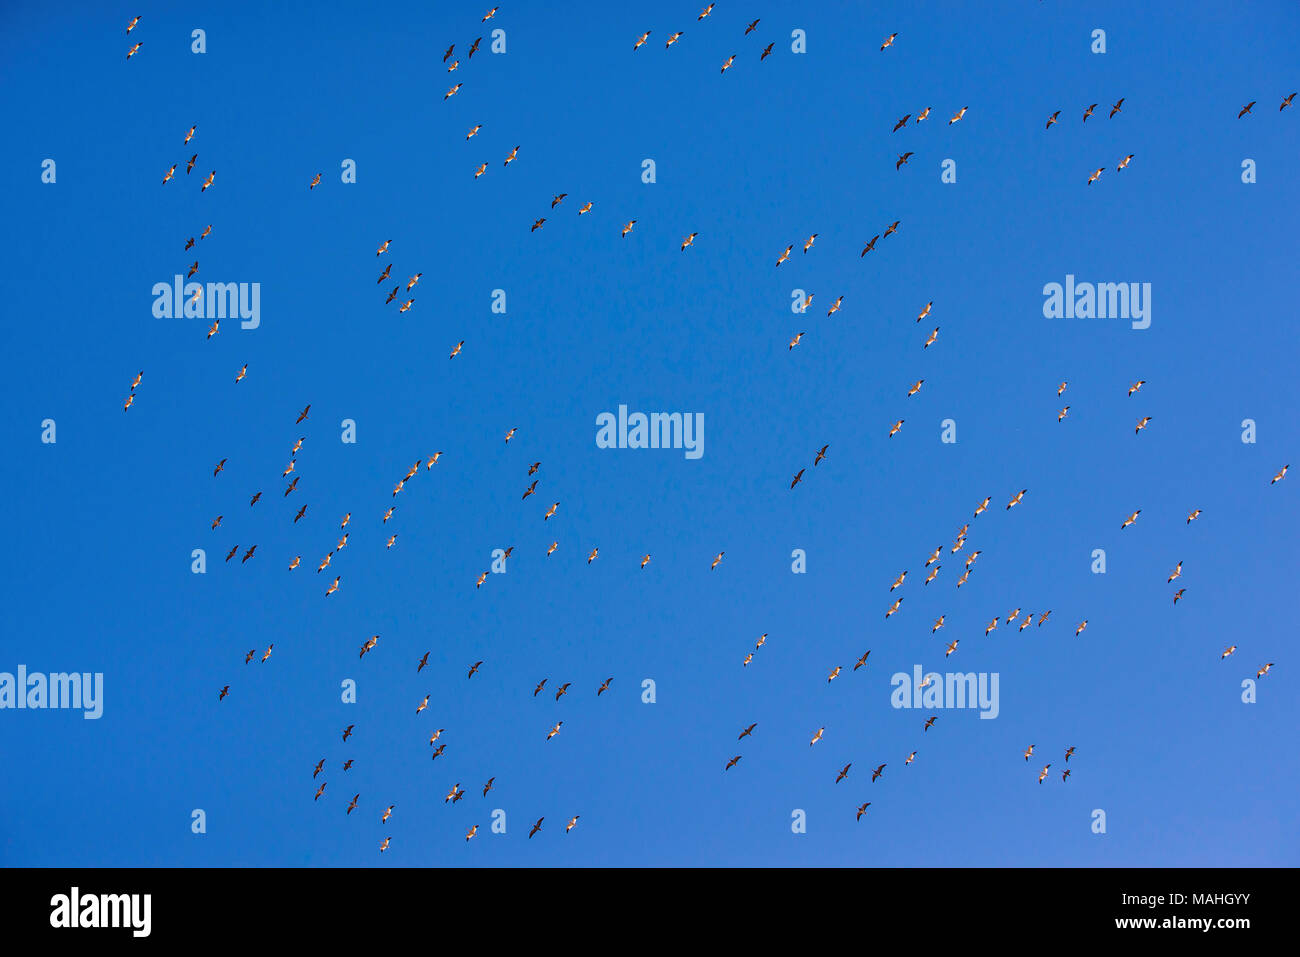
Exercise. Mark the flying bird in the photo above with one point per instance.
(1130, 520)
(1115, 108)
(1244, 110)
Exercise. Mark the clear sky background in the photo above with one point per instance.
(100, 527)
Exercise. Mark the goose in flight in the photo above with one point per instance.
(877, 773)
(1279, 476)
(642, 39)
(889, 41)
(1052, 119)
(816, 737)
(536, 827)
(1116, 107)
(1244, 110)
(747, 732)
(844, 772)
(732, 763)
(1130, 520)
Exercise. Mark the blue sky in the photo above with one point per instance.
(97, 571)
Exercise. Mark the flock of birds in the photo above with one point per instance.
(933, 562)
